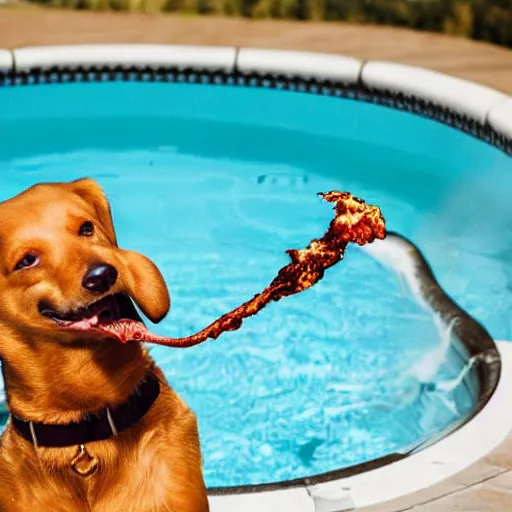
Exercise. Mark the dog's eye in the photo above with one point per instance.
(86, 229)
(29, 260)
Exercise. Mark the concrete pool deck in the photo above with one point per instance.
(29, 25)
(483, 487)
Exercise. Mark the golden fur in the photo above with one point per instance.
(53, 376)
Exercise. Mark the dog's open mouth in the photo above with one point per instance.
(98, 316)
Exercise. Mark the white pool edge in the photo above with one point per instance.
(477, 102)
(445, 458)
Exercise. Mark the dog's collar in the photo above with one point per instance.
(99, 427)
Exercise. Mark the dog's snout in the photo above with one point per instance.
(100, 278)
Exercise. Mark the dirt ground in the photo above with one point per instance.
(480, 62)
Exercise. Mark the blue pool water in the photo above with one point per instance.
(214, 184)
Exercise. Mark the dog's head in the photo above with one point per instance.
(60, 265)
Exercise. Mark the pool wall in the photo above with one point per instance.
(479, 111)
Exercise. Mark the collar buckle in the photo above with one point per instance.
(33, 434)
(111, 422)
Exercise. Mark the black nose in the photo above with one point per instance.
(100, 278)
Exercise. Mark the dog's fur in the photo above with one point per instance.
(54, 376)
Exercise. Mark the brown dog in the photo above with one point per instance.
(94, 426)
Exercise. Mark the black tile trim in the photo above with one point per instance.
(473, 336)
(357, 91)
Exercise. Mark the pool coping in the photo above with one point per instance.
(477, 110)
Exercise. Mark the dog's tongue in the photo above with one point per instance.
(129, 330)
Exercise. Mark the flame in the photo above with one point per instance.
(354, 222)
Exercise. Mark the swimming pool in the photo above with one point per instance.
(213, 175)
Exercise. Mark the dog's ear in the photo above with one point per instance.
(145, 285)
(91, 192)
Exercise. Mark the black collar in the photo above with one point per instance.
(95, 428)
